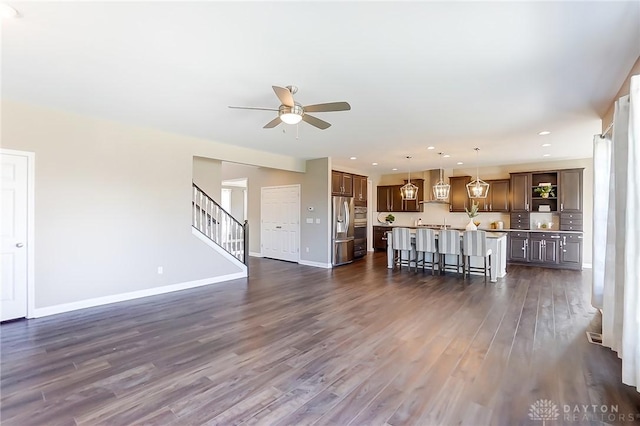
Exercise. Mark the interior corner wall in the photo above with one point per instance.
(207, 174)
(257, 178)
(316, 236)
(314, 191)
(113, 203)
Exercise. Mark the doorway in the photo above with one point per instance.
(16, 291)
(280, 222)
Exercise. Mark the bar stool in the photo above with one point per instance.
(449, 243)
(401, 241)
(474, 243)
(426, 243)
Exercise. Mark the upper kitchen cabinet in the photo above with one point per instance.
(498, 197)
(341, 183)
(360, 190)
(458, 198)
(570, 183)
(390, 198)
(520, 189)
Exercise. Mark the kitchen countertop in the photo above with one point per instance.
(552, 231)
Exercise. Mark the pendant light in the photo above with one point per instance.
(441, 189)
(409, 191)
(477, 188)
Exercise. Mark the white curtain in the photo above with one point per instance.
(601, 182)
(619, 273)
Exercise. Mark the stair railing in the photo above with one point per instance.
(219, 226)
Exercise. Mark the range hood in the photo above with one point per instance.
(431, 177)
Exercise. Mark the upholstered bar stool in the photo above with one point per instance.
(474, 243)
(449, 243)
(426, 243)
(401, 242)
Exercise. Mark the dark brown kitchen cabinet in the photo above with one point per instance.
(390, 198)
(380, 237)
(544, 248)
(518, 246)
(458, 198)
(341, 183)
(571, 251)
(520, 189)
(547, 249)
(570, 188)
(360, 190)
(498, 197)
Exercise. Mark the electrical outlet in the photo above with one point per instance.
(317, 220)
(160, 270)
(307, 249)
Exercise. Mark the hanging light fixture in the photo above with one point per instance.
(409, 191)
(441, 189)
(477, 188)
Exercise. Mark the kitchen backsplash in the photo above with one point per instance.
(437, 214)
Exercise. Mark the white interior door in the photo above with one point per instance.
(13, 287)
(280, 222)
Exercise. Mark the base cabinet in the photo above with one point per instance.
(380, 237)
(553, 250)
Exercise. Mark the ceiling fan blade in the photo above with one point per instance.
(262, 109)
(320, 124)
(273, 123)
(285, 96)
(331, 106)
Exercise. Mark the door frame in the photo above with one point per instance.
(31, 159)
(299, 213)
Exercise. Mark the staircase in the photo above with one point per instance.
(219, 226)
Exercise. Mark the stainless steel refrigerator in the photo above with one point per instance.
(343, 231)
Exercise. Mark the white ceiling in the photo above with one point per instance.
(452, 75)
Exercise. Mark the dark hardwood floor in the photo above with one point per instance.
(296, 345)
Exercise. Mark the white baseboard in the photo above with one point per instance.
(105, 300)
(315, 264)
(587, 266)
(255, 254)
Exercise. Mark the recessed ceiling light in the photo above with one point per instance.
(544, 133)
(374, 164)
(546, 155)
(446, 156)
(7, 11)
(546, 144)
(460, 163)
(353, 158)
(394, 169)
(431, 147)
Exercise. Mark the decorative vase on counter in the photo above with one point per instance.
(471, 226)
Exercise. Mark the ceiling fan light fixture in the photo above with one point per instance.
(290, 115)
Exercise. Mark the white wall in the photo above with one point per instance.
(207, 174)
(113, 202)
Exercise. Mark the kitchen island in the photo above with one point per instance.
(496, 241)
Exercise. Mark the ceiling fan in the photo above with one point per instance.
(292, 112)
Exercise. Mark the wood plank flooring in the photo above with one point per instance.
(295, 345)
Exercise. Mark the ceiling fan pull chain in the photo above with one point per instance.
(297, 130)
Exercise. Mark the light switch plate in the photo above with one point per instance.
(309, 220)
